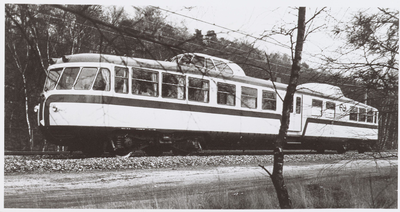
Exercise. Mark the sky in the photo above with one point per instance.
(251, 22)
(247, 19)
(253, 18)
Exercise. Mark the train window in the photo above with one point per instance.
(268, 100)
(52, 78)
(223, 67)
(226, 94)
(376, 117)
(370, 116)
(121, 80)
(85, 79)
(298, 105)
(363, 115)
(249, 97)
(102, 81)
(210, 64)
(144, 82)
(330, 110)
(198, 89)
(316, 109)
(185, 60)
(68, 78)
(198, 61)
(173, 86)
(353, 113)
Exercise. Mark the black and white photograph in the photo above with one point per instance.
(200, 105)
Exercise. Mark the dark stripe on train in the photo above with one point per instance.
(183, 107)
(152, 104)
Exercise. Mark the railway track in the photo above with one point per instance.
(77, 162)
(109, 188)
(201, 153)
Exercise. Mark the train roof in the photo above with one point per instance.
(330, 91)
(117, 60)
(327, 91)
(222, 66)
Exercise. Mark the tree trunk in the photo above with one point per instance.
(277, 174)
(22, 70)
(31, 144)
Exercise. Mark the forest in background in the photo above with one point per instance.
(36, 33)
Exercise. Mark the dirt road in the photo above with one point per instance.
(66, 190)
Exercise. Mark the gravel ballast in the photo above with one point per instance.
(64, 163)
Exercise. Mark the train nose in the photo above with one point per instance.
(40, 120)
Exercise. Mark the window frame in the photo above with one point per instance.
(225, 93)
(264, 99)
(99, 72)
(362, 117)
(53, 86)
(353, 111)
(209, 64)
(222, 67)
(298, 105)
(77, 80)
(321, 102)
(124, 78)
(248, 96)
(62, 75)
(206, 98)
(370, 116)
(376, 117)
(330, 106)
(141, 81)
(177, 85)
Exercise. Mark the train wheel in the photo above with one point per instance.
(122, 145)
(122, 153)
(127, 155)
(188, 146)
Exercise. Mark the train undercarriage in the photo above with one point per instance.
(122, 142)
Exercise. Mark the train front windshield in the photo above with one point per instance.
(52, 78)
(78, 78)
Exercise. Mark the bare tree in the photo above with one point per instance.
(371, 41)
(277, 174)
(22, 47)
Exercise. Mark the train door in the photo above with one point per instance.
(296, 112)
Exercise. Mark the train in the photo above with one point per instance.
(99, 103)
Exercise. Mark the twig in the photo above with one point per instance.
(265, 170)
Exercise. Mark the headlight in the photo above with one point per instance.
(54, 108)
(36, 108)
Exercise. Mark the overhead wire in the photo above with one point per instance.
(213, 24)
(170, 38)
(174, 39)
(235, 31)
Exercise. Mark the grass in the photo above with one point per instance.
(330, 190)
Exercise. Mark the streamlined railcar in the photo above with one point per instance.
(98, 103)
